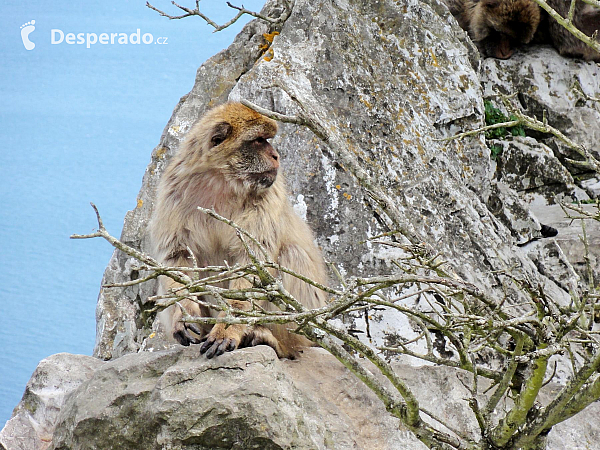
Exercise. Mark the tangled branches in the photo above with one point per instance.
(472, 323)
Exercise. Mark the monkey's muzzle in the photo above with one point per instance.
(264, 179)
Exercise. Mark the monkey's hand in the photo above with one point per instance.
(222, 339)
(260, 335)
(182, 333)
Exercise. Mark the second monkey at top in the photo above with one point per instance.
(498, 27)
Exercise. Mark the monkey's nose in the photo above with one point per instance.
(273, 154)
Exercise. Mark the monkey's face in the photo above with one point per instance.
(239, 149)
(500, 26)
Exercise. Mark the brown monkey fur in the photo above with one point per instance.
(498, 27)
(586, 19)
(226, 163)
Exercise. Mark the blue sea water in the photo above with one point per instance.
(78, 124)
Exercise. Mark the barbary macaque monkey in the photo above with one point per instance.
(498, 27)
(226, 163)
(586, 19)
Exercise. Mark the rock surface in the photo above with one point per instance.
(564, 91)
(31, 426)
(175, 399)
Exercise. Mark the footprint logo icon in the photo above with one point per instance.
(26, 30)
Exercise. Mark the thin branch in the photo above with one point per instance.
(505, 382)
(241, 11)
(140, 256)
(517, 415)
(512, 123)
(232, 224)
(534, 124)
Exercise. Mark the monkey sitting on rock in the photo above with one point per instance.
(498, 27)
(226, 163)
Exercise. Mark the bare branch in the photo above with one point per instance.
(530, 122)
(240, 12)
(512, 123)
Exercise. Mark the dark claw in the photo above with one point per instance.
(231, 345)
(213, 347)
(182, 338)
(222, 347)
(185, 338)
(207, 344)
(193, 339)
(212, 350)
(195, 328)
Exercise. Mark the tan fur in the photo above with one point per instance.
(224, 177)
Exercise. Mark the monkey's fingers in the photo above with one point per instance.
(263, 336)
(196, 329)
(215, 347)
(184, 337)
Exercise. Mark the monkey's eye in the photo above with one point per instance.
(220, 133)
(216, 140)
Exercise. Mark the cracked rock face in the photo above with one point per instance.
(563, 91)
(174, 399)
(388, 80)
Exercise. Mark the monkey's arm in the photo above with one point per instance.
(184, 333)
(300, 254)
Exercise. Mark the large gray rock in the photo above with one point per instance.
(175, 399)
(31, 426)
(246, 399)
(387, 80)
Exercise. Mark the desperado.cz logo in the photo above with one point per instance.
(58, 37)
(26, 30)
(89, 39)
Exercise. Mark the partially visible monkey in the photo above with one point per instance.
(586, 19)
(227, 163)
(498, 27)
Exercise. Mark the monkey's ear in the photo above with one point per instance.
(219, 133)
